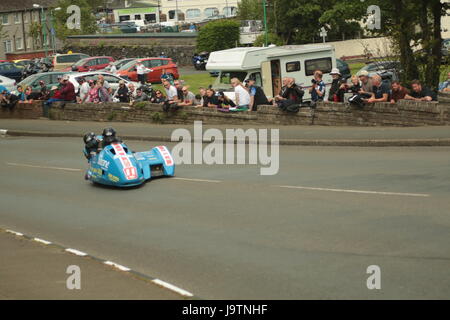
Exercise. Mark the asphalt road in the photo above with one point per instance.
(234, 234)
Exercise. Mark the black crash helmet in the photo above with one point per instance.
(109, 132)
(88, 137)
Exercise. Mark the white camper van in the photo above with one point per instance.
(268, 65)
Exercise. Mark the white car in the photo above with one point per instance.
(9, 84)
(112, 79)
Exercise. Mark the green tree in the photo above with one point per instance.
(88, 22)
(218, 35)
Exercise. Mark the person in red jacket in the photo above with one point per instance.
(66, 93)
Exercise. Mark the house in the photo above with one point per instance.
(197, 10)
(21, 36)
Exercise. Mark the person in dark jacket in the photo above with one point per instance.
(122, 92)
(257, 95)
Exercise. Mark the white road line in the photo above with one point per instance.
(173, 288)
(197, 180)
(42, 241)
(78, 253)
(116, 265)
(16, 233)
(40, 167)
(359, 191)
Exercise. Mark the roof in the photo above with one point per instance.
(22, 5)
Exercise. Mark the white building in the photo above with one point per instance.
(197, 10)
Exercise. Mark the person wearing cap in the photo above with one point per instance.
(44, 93)
(366, 83)
(336, 93)
(257, 95)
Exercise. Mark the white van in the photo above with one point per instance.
(268, 65)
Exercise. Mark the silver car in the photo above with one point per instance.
(112, 79)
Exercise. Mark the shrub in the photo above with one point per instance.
(272, 39)
(140, 104)
(218, 35)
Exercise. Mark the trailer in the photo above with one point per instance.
(268, 65)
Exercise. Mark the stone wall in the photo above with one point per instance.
(23, 111)
(404, 113)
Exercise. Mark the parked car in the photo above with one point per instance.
(344, 69)
(22, 63)
(112, 79)
(119, 63)
(388, 70)
(62, 61)
(8, 83)
(50, 79)
(156, 65)
(91, 64)
(10, 70)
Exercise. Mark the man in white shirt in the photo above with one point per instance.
(141, 71)
(112, 68)
(171, 91)
(84, 90)
(242, 95)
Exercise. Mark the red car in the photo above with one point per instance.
(156, 65)
(90, 64)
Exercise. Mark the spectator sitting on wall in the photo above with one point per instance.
(171, 92)
(211, 100)
(381, 91)
(225, 103)
(257, 95)
(366, 84)
(202, 94)
(242, 95)
(398, 92)
(178, 85)
(158, 98)
(7, 99)
(31, 96)
(103, 93)
(317, 89)
(445, 86)
(93, 92)
(122, 93)
(44, 93)
(67, 90)
(420, 93)
(104, 83)
(83, 91)
(21, 94)
(188, 97)
(290, 94)
(140, 95)
(355, 86)
(338, 87)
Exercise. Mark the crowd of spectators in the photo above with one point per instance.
(361, 90)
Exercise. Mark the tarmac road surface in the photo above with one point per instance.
(226, 232)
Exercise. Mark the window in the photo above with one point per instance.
(210, 12)
(137, 17)
(229, 11)
(110, 78)
(150, 17)
(164, 62)
(322, 64)
(7, 45)
(91, 62)
(193, 13)
(5, 19)
(17, 17)
(155, 63)
(173, 16)
(36, 16)
(19, 44)
(29, 43)
(293, 66)
(46, 78)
